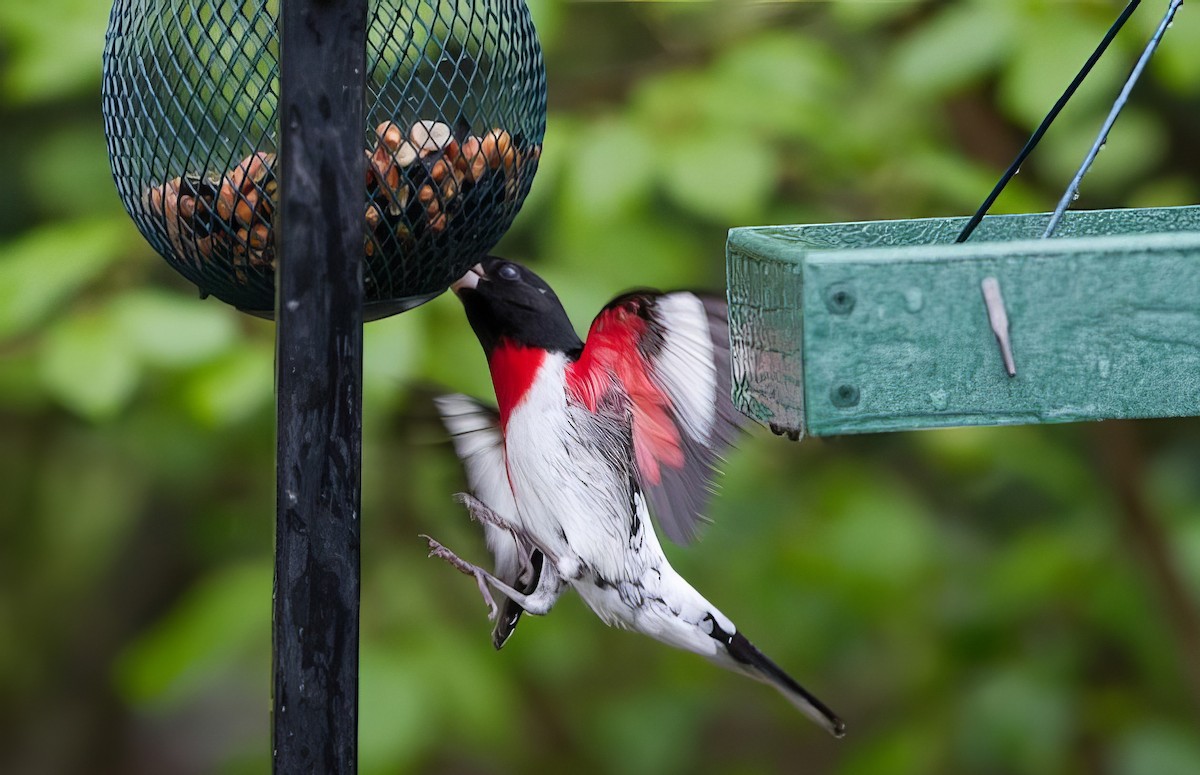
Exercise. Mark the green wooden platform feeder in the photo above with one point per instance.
(882, 326)
(901, 325)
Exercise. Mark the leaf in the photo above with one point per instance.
(723, 176)
(392, 348)
(88, 366)
(171, 330)
(907, 746)
(612, 169)
(1176, 64)
(1135, 146)
(548, 17)
(670, 103)
(856, 13)
(395, 726)
(1157, 749)
(1039, 566)
(881, 538)
(1014, 721)
(1169, 191)
(21, 389)
(447, 332)
(71, 151)
(957, 48)
(556, 160)
(1186, 541)
(637, 250)
(42, 270)
(52, 52)
(90, 505)
(957, 183)
(234, 387)
(1052, 45)
(665, 732)
(798, 88)
(221, 618)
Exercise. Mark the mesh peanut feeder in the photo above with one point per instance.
(456, 109)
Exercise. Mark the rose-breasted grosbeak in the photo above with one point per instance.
(589, 439)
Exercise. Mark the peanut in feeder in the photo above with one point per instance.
(454, 124)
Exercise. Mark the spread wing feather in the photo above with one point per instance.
(475, 432)
(664, 359)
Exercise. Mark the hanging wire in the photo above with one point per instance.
(1072, 190)
(1036, 137)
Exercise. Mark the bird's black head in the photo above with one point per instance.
(506, 301)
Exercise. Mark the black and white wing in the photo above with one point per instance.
(665, 356)
(475, 432)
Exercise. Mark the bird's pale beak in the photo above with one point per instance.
(468, 281)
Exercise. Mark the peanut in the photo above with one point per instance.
(390, 134)
(260, 236)
(497, 148)
(227, 197)
(440, 170)
(243, 211)
(187, 207)
(430, 136)
(373, 217)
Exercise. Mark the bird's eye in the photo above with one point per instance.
(508, 272)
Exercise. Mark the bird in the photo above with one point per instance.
(475, 433)
(588, 439)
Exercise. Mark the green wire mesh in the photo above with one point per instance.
(456, 112)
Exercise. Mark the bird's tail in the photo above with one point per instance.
(690, 622)
(747, 659)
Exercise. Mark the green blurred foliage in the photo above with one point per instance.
(1013, 600)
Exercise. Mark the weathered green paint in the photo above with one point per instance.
(880, 326)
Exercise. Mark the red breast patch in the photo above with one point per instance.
(514, 369)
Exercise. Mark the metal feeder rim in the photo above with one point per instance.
(372, 310)
(995, 230)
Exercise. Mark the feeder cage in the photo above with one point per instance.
(455, 114)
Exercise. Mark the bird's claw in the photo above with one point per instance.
(488, 600)
(439, 551)
(482, 513)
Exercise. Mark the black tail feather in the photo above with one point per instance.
(755, 664)
(510, 614)
(748, 654)
(510, 611)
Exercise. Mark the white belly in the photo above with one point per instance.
(570, 475)
(573, 482)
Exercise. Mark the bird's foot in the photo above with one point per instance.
(482, 513)
(481, 576)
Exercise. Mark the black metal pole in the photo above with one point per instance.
(318, 309)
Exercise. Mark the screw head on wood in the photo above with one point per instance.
(840, 299)
(844, 396)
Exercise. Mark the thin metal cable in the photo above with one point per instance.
(1072, 190)
(1036, 137)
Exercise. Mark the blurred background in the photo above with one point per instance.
(1019, 600)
